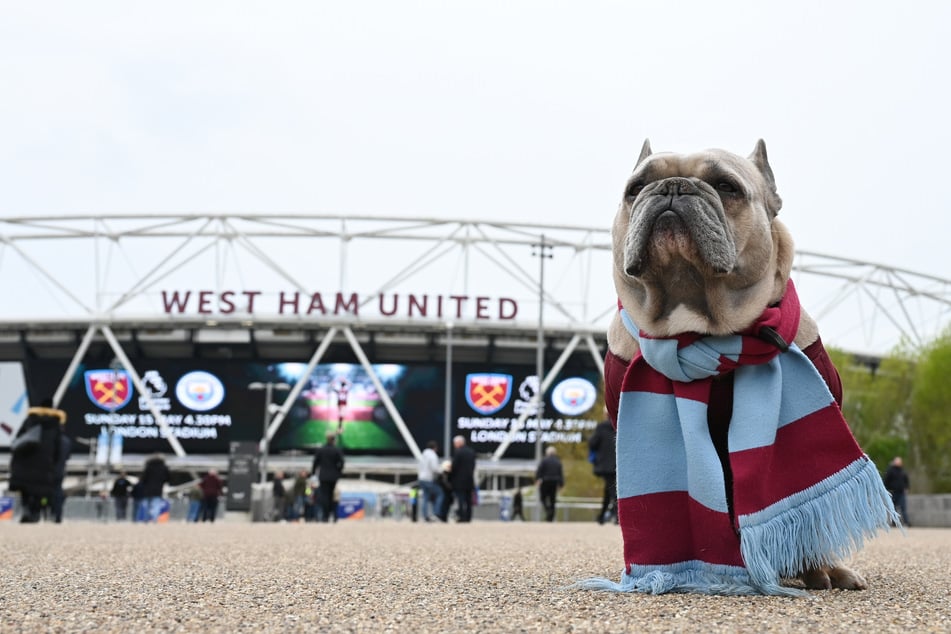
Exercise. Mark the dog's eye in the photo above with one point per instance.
(727, 187)
(633, 190)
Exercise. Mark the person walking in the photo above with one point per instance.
(59, 474)
(897, 483)
(328, 467)
(36, 451)
(603, 448)
(278, 496)
(549, 477)
(444, 482)
(429, 491)
(212, 488)
(155, 475)
(299, 494)
(462, 477)
(121, 489)
(195, 496)
(517, 505)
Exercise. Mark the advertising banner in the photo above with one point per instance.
(351, 508)
(6, 508)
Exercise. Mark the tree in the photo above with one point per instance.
(930, 431)
(876, 402)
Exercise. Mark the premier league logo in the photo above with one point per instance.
(109, 389)
(488, 393)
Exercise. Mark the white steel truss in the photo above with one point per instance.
(113, 269)
(335, 273)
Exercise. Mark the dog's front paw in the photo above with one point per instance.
(828, 577)
(842, 577)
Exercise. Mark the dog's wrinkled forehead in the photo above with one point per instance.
(721, 170)
(712, 166)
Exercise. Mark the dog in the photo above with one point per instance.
(698, 248)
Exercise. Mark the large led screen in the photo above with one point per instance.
(205, 405)
(343, 399)
(208, 404)
(489, 401)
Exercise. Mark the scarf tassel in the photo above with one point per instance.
(819, 526)
(690, 576)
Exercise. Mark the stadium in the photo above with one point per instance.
(218, 337)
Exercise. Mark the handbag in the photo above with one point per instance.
(27, 441)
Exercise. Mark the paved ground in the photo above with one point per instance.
(388, 576)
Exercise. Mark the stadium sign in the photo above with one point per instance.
(403, 305)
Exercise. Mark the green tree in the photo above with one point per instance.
(929, 428)
(877, 401)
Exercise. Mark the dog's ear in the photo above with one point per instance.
(645, 152)
(761, 161)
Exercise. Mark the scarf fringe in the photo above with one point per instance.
(695, 577)
(818, 526)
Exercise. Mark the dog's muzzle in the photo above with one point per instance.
(685, 205)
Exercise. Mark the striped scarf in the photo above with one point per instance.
(804, 494)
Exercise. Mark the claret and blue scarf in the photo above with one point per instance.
(804, 493)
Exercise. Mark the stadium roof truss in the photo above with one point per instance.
(255, 277)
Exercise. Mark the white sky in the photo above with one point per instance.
(528, 111)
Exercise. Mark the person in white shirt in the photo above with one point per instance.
(430, 492)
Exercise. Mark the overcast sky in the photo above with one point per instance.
(508, 110)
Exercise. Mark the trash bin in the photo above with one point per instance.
(261, 502)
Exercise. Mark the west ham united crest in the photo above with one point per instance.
(488, 393)
(109, 389)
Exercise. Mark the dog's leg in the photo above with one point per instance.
(817, 579)
(828, 577)
(846, 579)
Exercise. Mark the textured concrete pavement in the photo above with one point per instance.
(389, 576)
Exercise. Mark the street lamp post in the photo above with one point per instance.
(543, 252)
(447, 431)
(268, 388)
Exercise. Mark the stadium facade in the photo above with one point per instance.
(170, 331)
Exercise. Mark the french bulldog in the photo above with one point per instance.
(698, 248)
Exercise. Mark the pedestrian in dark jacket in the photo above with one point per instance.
(212, 488)
(139, 511)
(445, 483)
(33, 467)
(121, 489)
(603, 447)
(462, 476)
(517, 505)
(155, 476)
(59, 474)
(897, 483)
(328, 467)
(278, 495)
(549, 477)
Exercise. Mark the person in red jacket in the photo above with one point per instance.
(212, 488)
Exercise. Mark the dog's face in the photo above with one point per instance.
(697, 246)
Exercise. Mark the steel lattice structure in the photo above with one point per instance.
(153, 283)
(69, 270)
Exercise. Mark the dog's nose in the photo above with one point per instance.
(676, 186)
